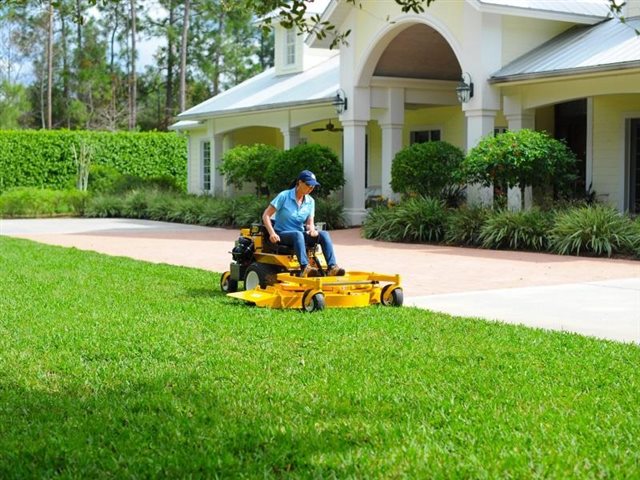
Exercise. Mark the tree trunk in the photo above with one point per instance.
(50, 66)
(168, 109)
(183, 58)
(65, 70)
(133, 85)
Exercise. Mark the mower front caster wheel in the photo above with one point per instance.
(227, 285)
(393, 298)
(312, 302)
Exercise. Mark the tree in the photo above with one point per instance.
(133, 80)
(13, 104)
(429, 169)
(520, 159)
(182, 94)
(319, 159)
(243, 164)
(50, 64)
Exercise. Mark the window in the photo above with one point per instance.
(498, 130)
(206, 166)
(290, 47)
(423, 136)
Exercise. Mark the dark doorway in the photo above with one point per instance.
(571, 126)
(634, 166)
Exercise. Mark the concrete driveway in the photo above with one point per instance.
(591, 296)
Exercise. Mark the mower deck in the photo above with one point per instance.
(354, 289)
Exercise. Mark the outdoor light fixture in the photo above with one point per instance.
(340, 102)
(464, 90)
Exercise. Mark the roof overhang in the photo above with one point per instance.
(275, 107)
(512, 10)
(571, 73)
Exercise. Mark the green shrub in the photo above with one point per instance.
(160, 205)
(428, 169)
(321, 160)
(464, 225)
(522, 158)
(420, 219)
(379, 225)
(127, 183)
(37, 202)
(523, 230)
(105, 206)
(44, 158)
(217, 212)
(187, 209)
(248, 210)
(596, 229)
(245, 164)
(331, 212)
(102, 178)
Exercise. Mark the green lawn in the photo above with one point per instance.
(111, 367)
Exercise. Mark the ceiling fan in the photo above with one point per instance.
(329, 127)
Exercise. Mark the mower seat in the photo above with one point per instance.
(269, 247)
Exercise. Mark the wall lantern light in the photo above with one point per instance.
(464, 90)
(340, 102)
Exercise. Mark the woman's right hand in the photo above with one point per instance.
(275, 238)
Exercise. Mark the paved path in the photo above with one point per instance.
(592, 296)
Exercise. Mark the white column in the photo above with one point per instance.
(517, 121)
(227, 144)
(291, 137)
(217, 151)
(354, 151)
(392, 124)
(480, 123)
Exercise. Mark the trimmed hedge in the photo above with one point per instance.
(44, 158)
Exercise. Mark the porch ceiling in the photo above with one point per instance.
(419, 52)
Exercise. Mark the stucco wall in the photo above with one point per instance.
(194, 166)
(609, 157)
(521, 35)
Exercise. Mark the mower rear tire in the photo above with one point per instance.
(227, 285)
(393, 299)
(315, 303)
(259, 274)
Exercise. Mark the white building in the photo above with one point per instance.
(565, 67)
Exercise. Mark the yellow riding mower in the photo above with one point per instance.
(270, 276)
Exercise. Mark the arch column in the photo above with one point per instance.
(354, 155)
(480, 123)
(291, 137)
(392, 125)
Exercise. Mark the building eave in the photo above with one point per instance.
(572, 73)
(276, 107)
(512, 10)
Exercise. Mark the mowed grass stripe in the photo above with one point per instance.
(111, 367)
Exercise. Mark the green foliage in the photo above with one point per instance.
(331, 212)
(321, 160)
(523, 230)
(13, 104)
(594, 229)
(522, 158)
(464, 225)
(245, 164)
(130, 369)
(428, 169)
(45, 158)
(154, 204)
(419, 219)
(37, 202)
(102, 179)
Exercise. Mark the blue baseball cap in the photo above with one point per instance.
(309, 178)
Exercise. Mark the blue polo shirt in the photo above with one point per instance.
(290, 217)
